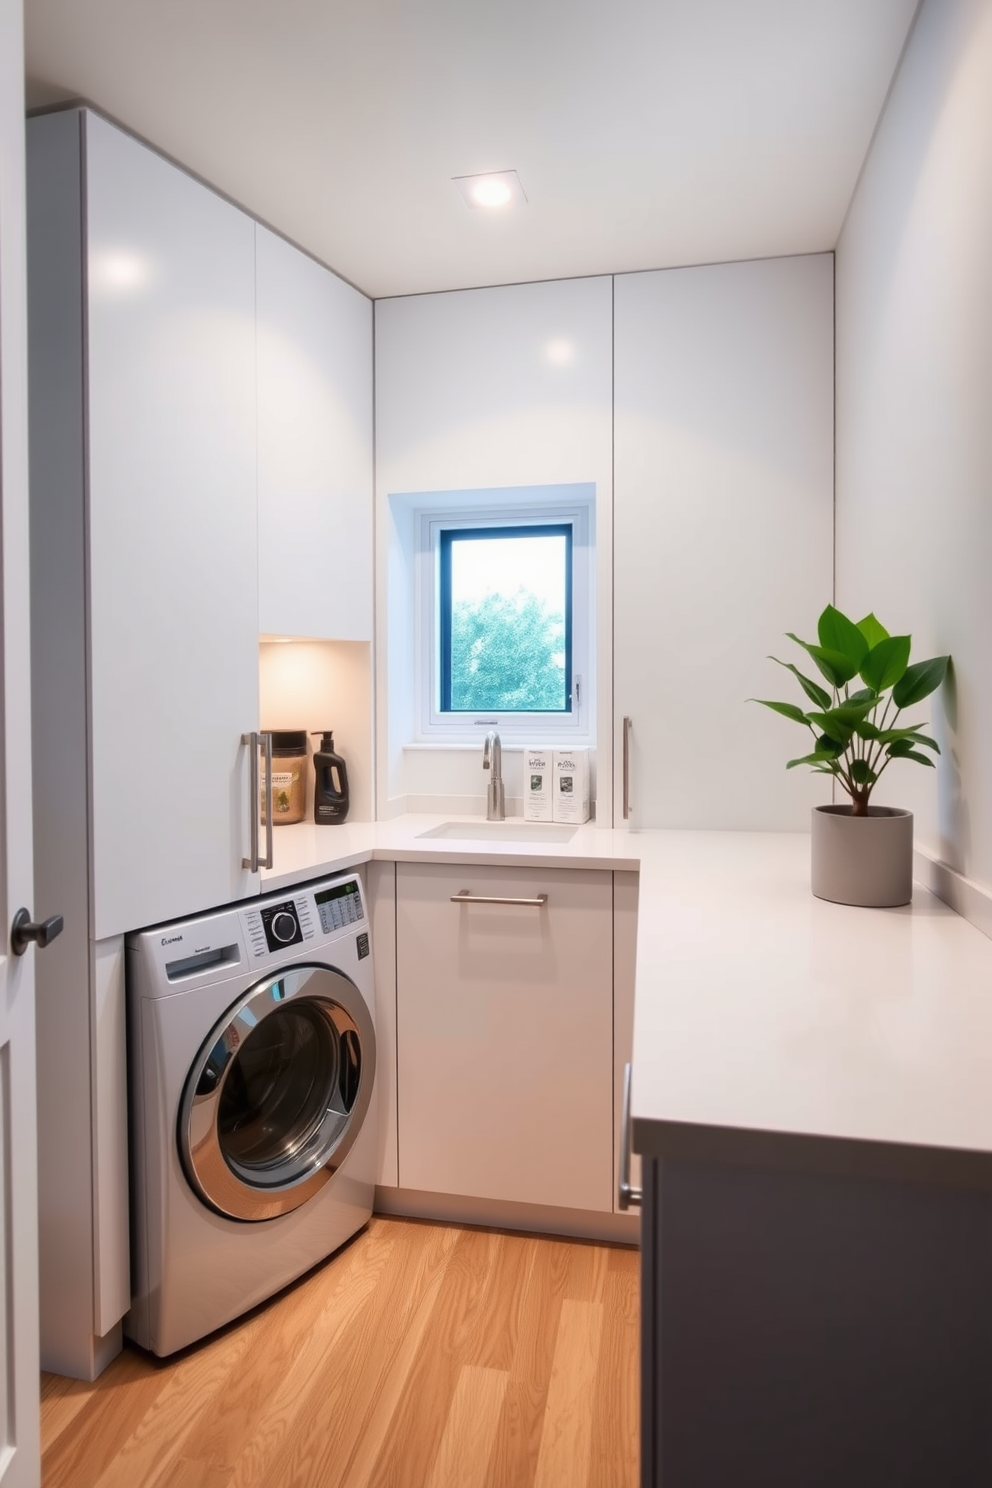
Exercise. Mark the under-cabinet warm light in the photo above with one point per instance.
(496, 189)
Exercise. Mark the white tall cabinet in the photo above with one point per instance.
(314, 370)
(161, 427)
(171, 505)
(723, 535)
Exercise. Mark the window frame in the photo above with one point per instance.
(435, 726)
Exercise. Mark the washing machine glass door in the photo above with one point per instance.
(278, 1093)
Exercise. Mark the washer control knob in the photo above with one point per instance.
(284, 926)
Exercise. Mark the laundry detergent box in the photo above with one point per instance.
(571, 786)
(538, 782)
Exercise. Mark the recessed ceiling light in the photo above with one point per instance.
(495, 189)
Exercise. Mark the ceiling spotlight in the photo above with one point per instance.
(495, 189)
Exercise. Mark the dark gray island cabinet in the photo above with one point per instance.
(812, 1102)
(811, 1324)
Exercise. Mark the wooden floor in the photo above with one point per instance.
(421, 1356)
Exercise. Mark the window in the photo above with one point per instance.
(504, 611)
(506, 619)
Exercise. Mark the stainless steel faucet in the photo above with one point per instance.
(492, 760)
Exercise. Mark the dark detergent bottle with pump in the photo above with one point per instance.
(330, 797)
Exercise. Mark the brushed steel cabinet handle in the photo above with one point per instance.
(269, 860)
(251, 862)
(627, 725)
(627, 1197)
(464, 897)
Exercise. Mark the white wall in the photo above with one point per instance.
(482, 389)
(914, 407)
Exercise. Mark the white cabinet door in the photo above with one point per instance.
(723, 535)
(505, 1035)
(314, 448)
(173, 567)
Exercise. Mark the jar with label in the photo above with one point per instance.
(289, 777)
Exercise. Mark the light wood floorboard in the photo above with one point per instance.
(420, 1356)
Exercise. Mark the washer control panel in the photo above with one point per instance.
(311, 914)
(339, 905)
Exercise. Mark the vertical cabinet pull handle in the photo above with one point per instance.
(250, 741)
(268, 861)
(627, 1197)
(627, 725)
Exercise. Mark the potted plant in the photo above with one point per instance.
(862, 854)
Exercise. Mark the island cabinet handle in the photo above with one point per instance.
(627, 1197)
(464, 897)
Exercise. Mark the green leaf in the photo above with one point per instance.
(828, 746)
(787, 710)
(872, 631)
(813, 690)
(814, 759)
(835, 666)
(847, 715)
(910, 732)
(866, 730)
(898, 747)
(922, 759)
(837, 633)
(906, 749)
(919, 681)
(886, 662)
(833, 727)
(911, 736)
(862, 772)
(863, 695)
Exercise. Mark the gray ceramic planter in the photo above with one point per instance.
(866, 860)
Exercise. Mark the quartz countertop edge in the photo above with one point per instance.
(769, 1026)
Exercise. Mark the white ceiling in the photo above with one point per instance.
(646, 133)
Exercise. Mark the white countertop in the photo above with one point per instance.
(760, 1011)
(306, 850)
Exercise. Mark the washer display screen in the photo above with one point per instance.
(338, 906)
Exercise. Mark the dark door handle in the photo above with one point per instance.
(24, 930)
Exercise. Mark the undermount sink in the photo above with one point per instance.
(510, 831)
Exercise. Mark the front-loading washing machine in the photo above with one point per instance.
(251, 1071)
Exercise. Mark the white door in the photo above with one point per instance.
(19, 1444)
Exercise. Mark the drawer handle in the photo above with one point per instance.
(464, 897)
(627, 1197)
